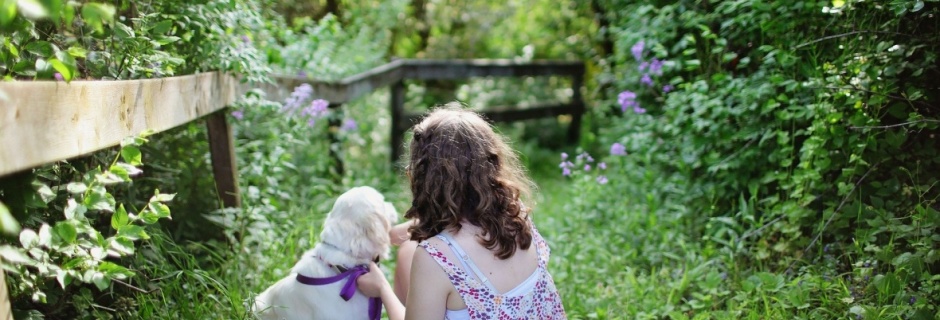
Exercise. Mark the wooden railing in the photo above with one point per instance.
(394, 73)
(45, 121)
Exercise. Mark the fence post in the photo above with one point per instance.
(398, 119)
(332, 128)
(222, 151)
(6, 312)
(574, 129)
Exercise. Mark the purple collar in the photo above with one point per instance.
(349, 289)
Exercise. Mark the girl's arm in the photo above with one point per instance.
(399, 233)
(428, 297)
(373, 284)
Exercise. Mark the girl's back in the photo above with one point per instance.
(485, 286)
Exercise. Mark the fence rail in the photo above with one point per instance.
(394, 73)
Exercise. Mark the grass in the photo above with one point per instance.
(618, 251)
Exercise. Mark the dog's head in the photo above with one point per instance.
(359, 224)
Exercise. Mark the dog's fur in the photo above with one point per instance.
(355, 232)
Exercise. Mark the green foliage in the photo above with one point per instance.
(798, 163)
(124, 39)
(75, 248)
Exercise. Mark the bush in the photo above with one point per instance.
(793, 157)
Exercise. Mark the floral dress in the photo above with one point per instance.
(534, 298)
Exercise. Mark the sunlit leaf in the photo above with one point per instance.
(7, 11)
(32, 9)
(119, 218)
(66, 231)
(131, 154)
(8, 224)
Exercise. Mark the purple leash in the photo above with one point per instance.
(349, 289)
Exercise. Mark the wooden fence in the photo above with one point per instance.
(395, 73)
(43, 122)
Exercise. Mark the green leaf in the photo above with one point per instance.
(76, 188)
(162, 27)
(149, 217)
(100, 280)
(74, 210)
(62, 69)
(9, 45)
(43, 49)
(32, 9)
(131, 170)
(45, 235)
(54, 8)
(97, 15)
(160, 209)
(42, 66)
(28, 238)
(63, 278)
(8, 224)
(122, 246)
(120, 172)
(162, 197)
(45, 193)
(114, 270)
(122, 31)
(66, 231)
(77, 52)
(99, 199)
(14, 255)
(133, 232)
(119, 218)
(7, 11)
(131, 154)
(108, 178)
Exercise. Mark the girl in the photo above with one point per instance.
(478, 253)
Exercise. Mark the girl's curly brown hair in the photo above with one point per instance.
(462, 170)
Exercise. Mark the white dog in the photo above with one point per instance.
(354, 233)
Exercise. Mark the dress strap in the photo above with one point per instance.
(465, 259)
(541, 246)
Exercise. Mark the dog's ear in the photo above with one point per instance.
(360, 219)
(368, 235)
(391, 213)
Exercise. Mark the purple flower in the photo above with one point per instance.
(301, 93)
(587, 167)
(667, 88)
(913, 300)
(311, 121)
(646, 79)
(566, 164)
(584, 156)
(564, 156)
(618, 149)
(317, 108)
(349, 125)
(565, 172)
(638, 110)
(245, 39)
(601, 179)
(627, 99)
(59, 77)
(656, 67)
(643, 66)
(602, 166)
(238, 114)
(301, 74)
(637, 50)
